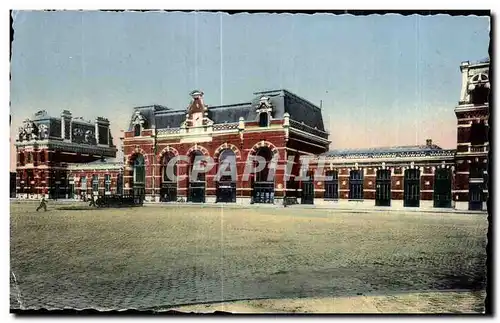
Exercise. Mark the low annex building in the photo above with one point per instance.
(65, 157)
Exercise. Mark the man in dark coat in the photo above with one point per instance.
(43, 205)
(92, 200)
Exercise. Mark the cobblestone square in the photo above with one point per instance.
(165, 256)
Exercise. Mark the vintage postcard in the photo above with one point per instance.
(249, 162)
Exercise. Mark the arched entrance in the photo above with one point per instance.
(197, 183)
(412, 187)
(139, 177)
(168, 190)
(383, 188)
(262, 185)
(226, 184)
(442, 187)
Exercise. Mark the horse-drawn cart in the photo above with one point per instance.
(118, 201)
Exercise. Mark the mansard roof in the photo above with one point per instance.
(41, 115)
(281, 100)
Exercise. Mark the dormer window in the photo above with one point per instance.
(139, 123)
(137, 130)
(264, 111)
(263, 119)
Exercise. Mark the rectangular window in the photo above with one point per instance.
(103, 135)
(83, 183)
(356, 185)
(137, 130)
(332, 185)
(95, 183)
(476, 170)
(478, 134)
(107, 183)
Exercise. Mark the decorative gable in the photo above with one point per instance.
(139, 119)
(197, 111)
(265, 105)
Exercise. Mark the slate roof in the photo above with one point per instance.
(41, 115)
(282, 101)
(394, 150)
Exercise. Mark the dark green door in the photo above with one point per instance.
(119, 184)
(412, 188)
(139, 192)
(263, 192)
(307, 192)
(226, 192)
(196, 192)
(168, 192)
(442, 188)
(383, 188)
(476, 196)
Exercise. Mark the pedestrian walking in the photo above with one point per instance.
(43, 205)
(92, 200)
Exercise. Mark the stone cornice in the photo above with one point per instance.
(101, 166)
(71, 146)
(391, 159)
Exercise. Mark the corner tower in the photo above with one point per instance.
(472, 112)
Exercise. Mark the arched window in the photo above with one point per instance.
(196, 163)
(262, 176)
(137, 130)
(119, 184)
(227, 160)
(479, 95)
(83, 183)
(480, 89)
(164, 170)
(263, 119)
(107, 183)
(21, 158)
(139, 170)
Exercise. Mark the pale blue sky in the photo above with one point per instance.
(384, 80)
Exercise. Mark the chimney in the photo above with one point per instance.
(428, 142)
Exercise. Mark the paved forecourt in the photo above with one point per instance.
(157, 257)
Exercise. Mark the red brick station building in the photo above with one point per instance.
(68, 158)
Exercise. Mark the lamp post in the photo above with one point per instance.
(119, 189)
(155, 151)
